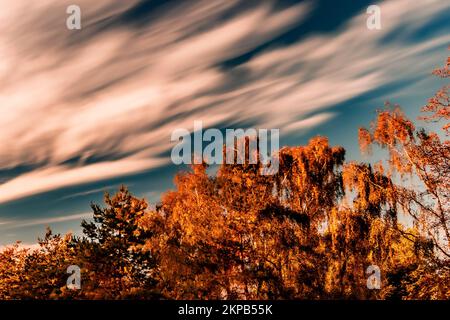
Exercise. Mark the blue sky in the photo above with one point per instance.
(83, 111)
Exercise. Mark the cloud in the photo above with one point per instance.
(29, 246)
(310, 122)
(46, 221)
(92, 191)
(56, 177)
(84, 106)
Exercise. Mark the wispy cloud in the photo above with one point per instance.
(41, 180)
(309, 122)
(89, 192)
(30, 246)
(115, 91)
(44, 221)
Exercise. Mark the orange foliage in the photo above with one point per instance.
(308, 232)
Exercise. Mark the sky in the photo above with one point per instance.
(84, 111)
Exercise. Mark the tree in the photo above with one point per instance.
(110, 253)
(38, 273)
(438, 105)
(420, 164)
(243, 235)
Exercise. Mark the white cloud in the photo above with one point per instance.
(29, 246)
(56, 177)
(310, 122)
(45, 221)
(121, 92)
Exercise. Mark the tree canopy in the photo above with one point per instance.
(308, 232)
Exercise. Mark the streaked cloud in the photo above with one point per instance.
(41, 180)
(88, 192)
(80, 107)
(44, 221)
(310, 122)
